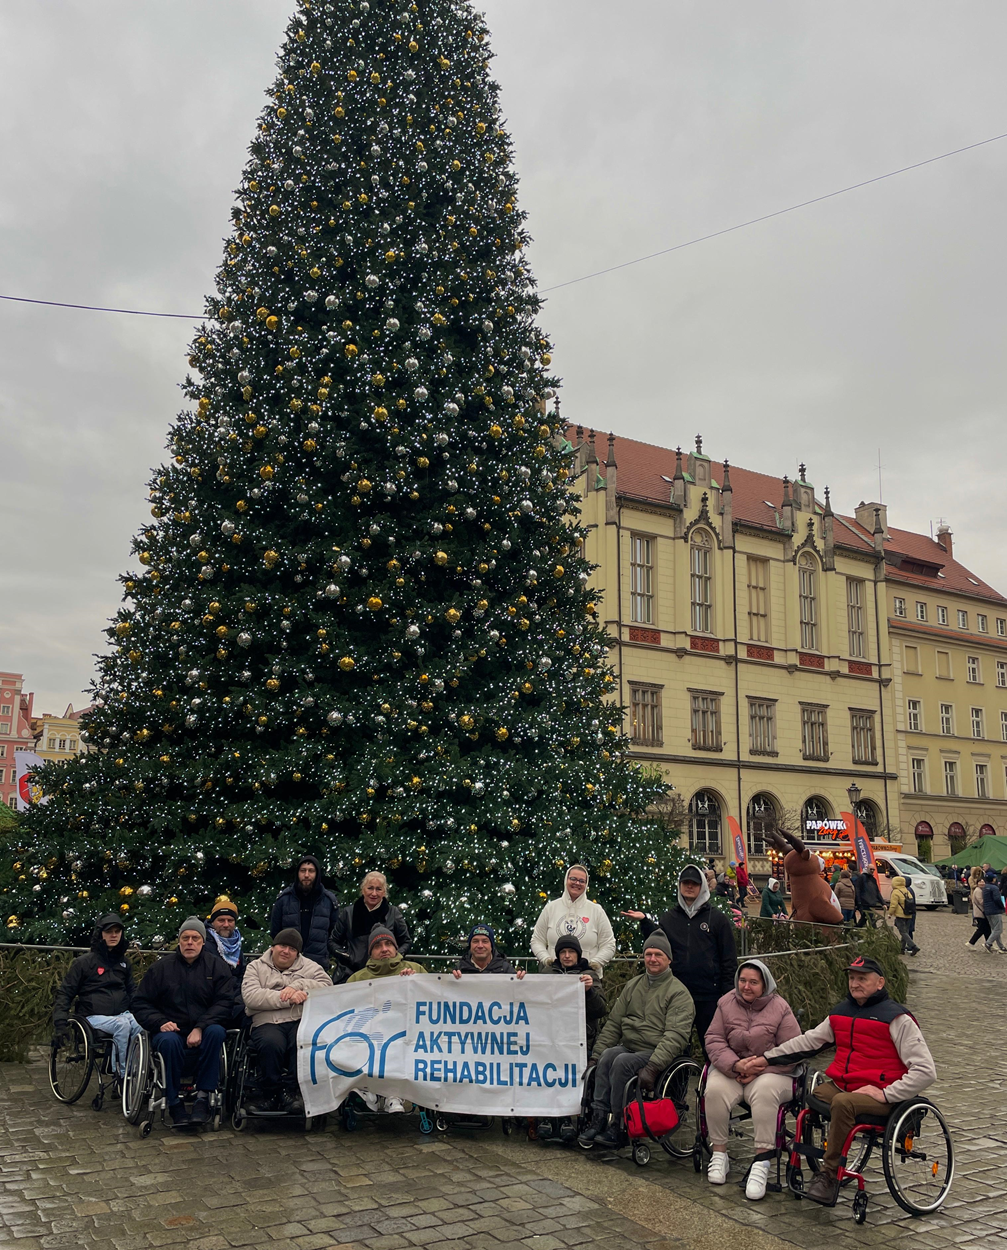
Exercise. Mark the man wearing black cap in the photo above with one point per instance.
(275, 988)
(702, 944)
(306, 905)
(881, 1059)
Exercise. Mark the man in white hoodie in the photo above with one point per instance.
(574, 915)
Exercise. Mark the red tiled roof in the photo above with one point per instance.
(645, 472)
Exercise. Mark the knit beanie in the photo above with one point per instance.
(193, 925)
(289, 937)
(486, 931)
(221, 905)
(568, 943)
(658, 941)
(381, 931)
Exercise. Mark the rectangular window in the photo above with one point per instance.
(942, 615)
(5, 709)
(73, 744)
(701, 583)
(814, 733)
(758, 600)
(911, 660)
(645, 719)
(947, 718)
(62, 744)
(641, 579)
(706, 722)
(972, 668)
(921, 611)
(919, 767)
(898, 606)
(1, 776)
(982, 781)
(916, 715)
(943, 663)
(762, 726)
(977, 723)
(1003, 726)
(1002, 672)
(981, 623)
(4, 727)
(1001, 627)
(3, 752)
(12, 801)
(52, 744)
(855, 616)
(807, 579)
(862, 738)
(951, 777)
(963, 619)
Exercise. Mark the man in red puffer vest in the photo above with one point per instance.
(881, 1059)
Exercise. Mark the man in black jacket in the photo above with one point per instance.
(482, 955)
(350, 940)
(185, 1001)
(869, 900)
(102, 983)
(704, 954)
(307, 906)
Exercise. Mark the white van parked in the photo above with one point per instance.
(927, 883)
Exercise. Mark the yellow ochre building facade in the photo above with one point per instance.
(759, 657)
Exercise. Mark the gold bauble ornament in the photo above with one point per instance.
(347, 663)
(453, 616)
(374, 603)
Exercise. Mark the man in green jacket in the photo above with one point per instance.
(649, 1026)
(384, 959)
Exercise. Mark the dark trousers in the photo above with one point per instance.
(276, 1052)
(706, 1009)
(181, 1060)
(982, 930)
(902, 924)
(615, 1067)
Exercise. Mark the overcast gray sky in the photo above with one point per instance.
(875, 320)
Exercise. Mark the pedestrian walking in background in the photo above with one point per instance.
(869, 900)
(993, 910)
(981, 924)
(773, 903)
(901, 907)
(846, 896)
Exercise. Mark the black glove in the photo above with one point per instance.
(60, 1036)
(647, 1078)
(590, 1063)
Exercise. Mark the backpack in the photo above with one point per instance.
(909, 904)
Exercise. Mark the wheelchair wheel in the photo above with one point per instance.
(918, 1157)
(860, 1206)
(680, 1083)
(426, 1123)
(136, 1079)
(239, 1122)
(641, 1155)
(70, 1066)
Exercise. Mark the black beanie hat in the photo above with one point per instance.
(289, 937)
(568, 943)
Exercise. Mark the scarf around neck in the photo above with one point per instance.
(229, 948)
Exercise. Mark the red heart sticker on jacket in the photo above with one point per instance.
(100, 971)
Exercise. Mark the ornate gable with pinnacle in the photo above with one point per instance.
(809, 543)
(703, 518)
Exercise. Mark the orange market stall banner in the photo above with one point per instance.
(859, 841)
(479, 1045)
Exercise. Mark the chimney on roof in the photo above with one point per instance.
(944, 539)
(678, 482)
(865, 516)
(727, 506)
(879, 531)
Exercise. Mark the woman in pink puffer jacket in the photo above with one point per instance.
(750, 1020)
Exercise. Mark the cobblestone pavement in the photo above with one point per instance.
(71, 1177)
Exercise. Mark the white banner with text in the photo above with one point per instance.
(478, 1045)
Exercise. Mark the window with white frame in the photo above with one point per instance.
(977, 723)
(641, 574)
(963, 619)
(1001, 627)
(919, 774)
(701, 581)
(898, 606)
(981, 623)
(947, 718)
(972, 668)
(982, 781)
(942, 614)
(915, 717)
(855, 616)
(921, 610)
(5, 709)
(951, 777)
(1002, 672)
(807, 571)
(1003, 726)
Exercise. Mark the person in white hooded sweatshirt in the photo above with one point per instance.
(574, 915)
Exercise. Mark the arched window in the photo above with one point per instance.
(700, 565)
(807, 573)
(760, 818)
(704, 823)
(868, 815)
(815, 810)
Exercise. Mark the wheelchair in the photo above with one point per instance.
(72, 1065)
(742, 1113)
(679, 1082)
(243, 1088)
(143, 1085)
(917, 1155)
(353, 1109)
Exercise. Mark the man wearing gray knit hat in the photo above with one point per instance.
(185, 1001)
(648, 1027)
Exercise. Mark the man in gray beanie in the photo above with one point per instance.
(185, 1001)
(648, 1027)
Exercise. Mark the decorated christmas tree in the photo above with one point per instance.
(360, 623)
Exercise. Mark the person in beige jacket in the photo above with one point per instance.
(275, 988)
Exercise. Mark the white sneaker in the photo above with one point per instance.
(371, 1100)
(719, 1167)
(758, 1178)
(394, 1104)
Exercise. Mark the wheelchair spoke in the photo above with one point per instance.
(918, 1158)
(681, 1085)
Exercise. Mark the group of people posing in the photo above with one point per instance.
(691, 981)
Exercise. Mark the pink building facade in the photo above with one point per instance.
(15, 731)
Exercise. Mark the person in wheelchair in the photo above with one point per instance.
(649, 1026)
(185, 1001)
(750, 1020)
(101, 984)
(275, 988)
(881, 1059)
(570, 962)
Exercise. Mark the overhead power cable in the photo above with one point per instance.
(626, 264)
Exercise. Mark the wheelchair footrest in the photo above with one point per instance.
(809, 1152)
